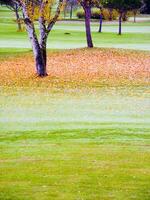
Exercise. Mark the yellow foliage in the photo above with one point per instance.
(44, 9)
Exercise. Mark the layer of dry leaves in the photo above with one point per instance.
(79, 67)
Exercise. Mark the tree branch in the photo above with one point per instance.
(54, 19)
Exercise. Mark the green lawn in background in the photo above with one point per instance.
(135, 35)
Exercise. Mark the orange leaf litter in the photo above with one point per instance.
(80, 66)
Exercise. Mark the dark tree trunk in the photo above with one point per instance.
(38, 53)
(120, 23)
(134, 16)
(43, 39)
(124, 16)
(71, 9)
(44, 54)
(18, 20)
(87, 10)
(40, 63)
(110, 14)
(100, 22)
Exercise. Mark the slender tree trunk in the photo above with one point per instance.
(120, 24)
(134, 16)
(38, 55)
(100, 22)
(110, 14)
(44, 54)
(18, 20)
(124, 16)
(71, 9)
(87, 10)
(43, 39)
(43, 43)
(65, 12)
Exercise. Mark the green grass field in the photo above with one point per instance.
(135, 35)
(73, 141)
(75, 145)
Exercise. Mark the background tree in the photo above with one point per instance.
(69, 6)
(99, 5)
(135, 5)
(87, 5)
(41, 11)
(109, 4)
(72, 4)
(100, 19)
(146, 7)
(14, 6)
(122, 6)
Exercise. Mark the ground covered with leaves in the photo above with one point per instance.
(79, 67)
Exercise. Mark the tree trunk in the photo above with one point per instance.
(38, 53)
(100, 22)
(134, 16)
(43, 51)
(71, 9)
(18, 20)
(87, 10)
(40, 63)
(110, 14)
(120, 23)
(124, 16)
(43, 39)
(65, 13)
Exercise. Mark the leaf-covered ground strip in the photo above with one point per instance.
(80, 67)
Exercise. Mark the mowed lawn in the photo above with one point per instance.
(82, 133)
(67, 35)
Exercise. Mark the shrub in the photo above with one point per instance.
(96, 13)
(80, 14)
(115, 14)
(107, 14)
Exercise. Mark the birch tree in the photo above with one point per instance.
(41, 11)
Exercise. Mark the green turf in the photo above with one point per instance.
(135, 35)
(75, 144)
